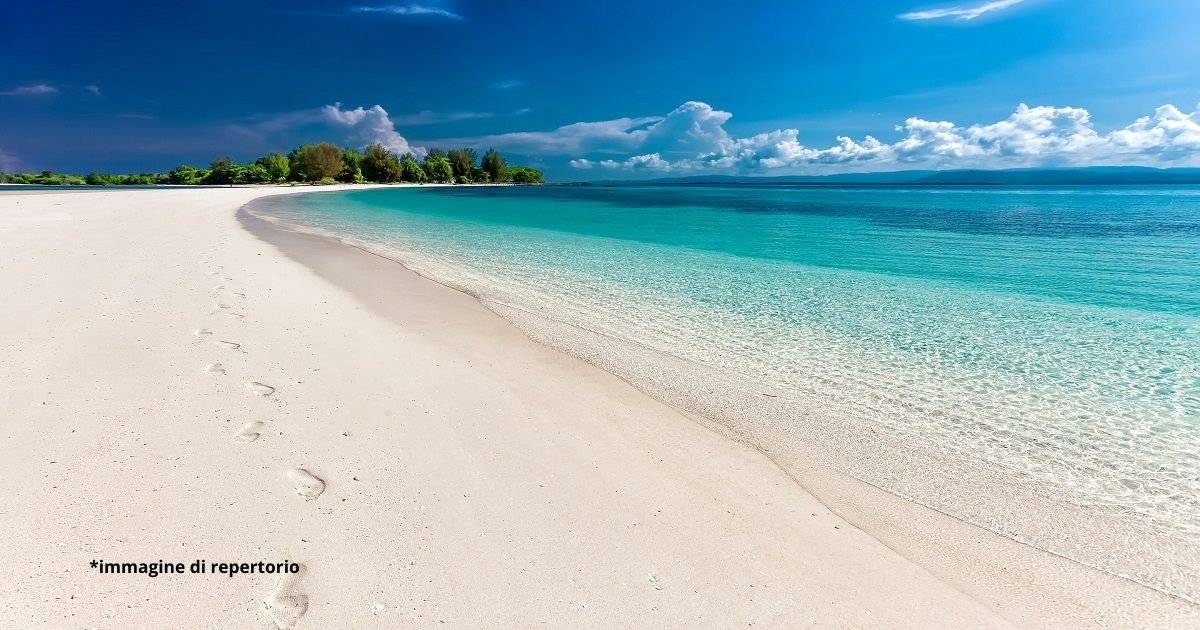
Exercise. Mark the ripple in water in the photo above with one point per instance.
(1050, 337)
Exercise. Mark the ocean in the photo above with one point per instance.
(1025, 359)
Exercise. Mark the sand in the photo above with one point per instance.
(181, 383)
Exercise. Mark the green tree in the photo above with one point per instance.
(101, 179)
(314, 162)
(462, 161)
(351, 167)
(184, 176)
(411, 171)
(493, 164)
(255, 174)
(439, 170)
(524, 175)
(276, 165)
(135, 179)
(380, 165)
(223, 172)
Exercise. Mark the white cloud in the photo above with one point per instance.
(693, 137)
(509, 84)
(92, 89)
(409, 9)
(648, 162)
(9, 163)
(356, 126)
(1168, 134)
(31, 90)
(960, 12)
(369, 126)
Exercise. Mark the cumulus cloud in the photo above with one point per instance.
(409, 9)
(9, 163)
(693, 137)
(369, 126)
(30, 90)
(1169, 134)
(358, 125)
(965, 13)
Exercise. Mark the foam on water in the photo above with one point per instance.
(1047, 337)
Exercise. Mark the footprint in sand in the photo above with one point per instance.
(258, 389)
(286, 604)
(214, 369)
(230, 345)
(233, 315)
(307, 485)
(200, 332)
(249, 432)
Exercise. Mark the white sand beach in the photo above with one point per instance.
(181, 383)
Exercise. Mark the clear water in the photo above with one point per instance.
(1050, 332)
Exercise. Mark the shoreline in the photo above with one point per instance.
(468, 474)
(804, 436)
(982, 559)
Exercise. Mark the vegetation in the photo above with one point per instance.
(322, 163)
(277, 166)
(380, 165)
(410, 171)
(493, 164)
(524, 175)
(438, 169)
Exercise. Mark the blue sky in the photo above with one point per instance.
(606, 90)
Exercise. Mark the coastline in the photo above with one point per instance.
(459, 456)
(801, 432)
(991, 567)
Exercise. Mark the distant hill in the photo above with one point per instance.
(1093, 175)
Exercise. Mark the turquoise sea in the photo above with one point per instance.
(1046, 339)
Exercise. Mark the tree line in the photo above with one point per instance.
(321, 163)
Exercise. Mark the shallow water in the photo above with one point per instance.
(1050, 333)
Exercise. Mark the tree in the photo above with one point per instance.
(276, 165)
(462, 161)
(314, 162)
(493, 164)
(184, 176)
(255, 174)
(351, 167)
(222, 172)
(101, 179)
(438, 169)
(412, 172)
(524, 175)
(380, 165)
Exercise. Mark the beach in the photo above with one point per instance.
(185, 381)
